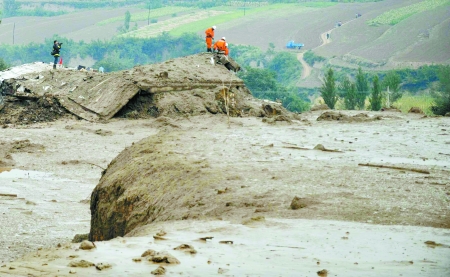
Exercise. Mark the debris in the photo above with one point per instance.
(258, 218)
(206, 238)
(397, 167)
(159, 271)
(415, 110)
(8, 194)
(298, 203)
(226, 241)
(161, 233)
(222, 270)
(136, 260)
(101, 266)
(164, 257)
(86, 245)
(186, 248)
(159, 237)
(322, 148)
(296, 147)
(322, 273)
(80, 237)
(320, 107)
(149, 252)
(81, 263)
(432, 244)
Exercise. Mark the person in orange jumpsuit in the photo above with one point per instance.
(222, 45)
(209, 38)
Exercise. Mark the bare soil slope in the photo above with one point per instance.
(190, 85)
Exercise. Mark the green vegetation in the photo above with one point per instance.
(375, 96)
(423, 101)
(393, 17)
(37, 8)
(362, 89)
(392, 82)
(263, 84)
(10, 8)
(3, 65)
(318, 4)
(413, 83)
(286, 66)
(126, 24)
(312, 58)
(117, 54)
(442, 94)
(328, 89)
(222, 18)
(38, 12)
(152, 14)
(347, 91)
(271, 75)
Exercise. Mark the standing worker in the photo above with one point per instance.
(209, 38)
(222, 45)
(55, 52)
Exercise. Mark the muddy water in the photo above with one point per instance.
(275, 247)
(52, 199)
(34, 216)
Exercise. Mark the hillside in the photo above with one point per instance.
(419, 39)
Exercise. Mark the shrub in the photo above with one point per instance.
(3, 64)
(312, 58)
(442, 94)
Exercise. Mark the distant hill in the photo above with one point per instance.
(388, 34)
(422, 38)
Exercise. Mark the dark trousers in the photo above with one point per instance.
(56, 60)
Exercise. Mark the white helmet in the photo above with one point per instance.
(214, 27)
(223, 38)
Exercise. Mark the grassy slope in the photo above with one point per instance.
(405, 41)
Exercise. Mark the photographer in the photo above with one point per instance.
(55, 52)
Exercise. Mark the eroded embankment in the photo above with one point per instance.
(149, 182)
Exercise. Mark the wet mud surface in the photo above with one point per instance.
(262, 167)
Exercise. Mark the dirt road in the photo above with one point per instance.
(267, 166)
(306, 68)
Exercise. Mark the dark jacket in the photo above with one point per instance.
(56, 47)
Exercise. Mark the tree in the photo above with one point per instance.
(286, 66)
(312, 58)
(328, 89)
(126, 24)
(362, 89)
(258, 80)
(263, 84)
(392, 81)
(442, 95)
(376, 97)
(10, 7)
(3, 64)
(347, 90)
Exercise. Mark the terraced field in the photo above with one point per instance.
(419, 38)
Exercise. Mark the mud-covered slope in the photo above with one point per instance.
(190, 85)
(148, 182)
